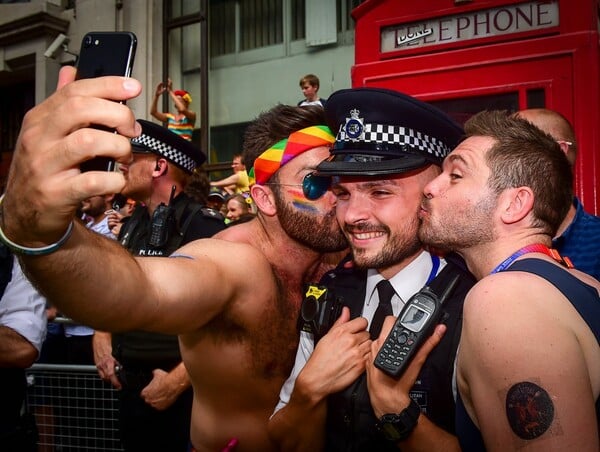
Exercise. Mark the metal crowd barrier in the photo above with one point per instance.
(73, 408)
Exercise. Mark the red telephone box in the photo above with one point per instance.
(469, 55)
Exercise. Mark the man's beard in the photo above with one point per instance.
(397, 248)
(319, 232)
(460, 230)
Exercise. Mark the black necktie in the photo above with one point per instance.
(386, 292)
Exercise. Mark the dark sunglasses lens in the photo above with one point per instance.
(314, 186)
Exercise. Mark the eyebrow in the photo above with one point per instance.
(366, 184)
(453, 158)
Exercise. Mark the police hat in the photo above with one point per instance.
(217, 194)
(159, 140)
(380, 131)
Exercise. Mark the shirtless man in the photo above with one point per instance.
(233, 299)
(528, 366)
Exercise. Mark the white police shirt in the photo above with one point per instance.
(406, 283)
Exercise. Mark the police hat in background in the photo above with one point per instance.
(216, 195)
(380, 131)
(159, 140)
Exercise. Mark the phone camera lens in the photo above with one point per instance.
(88, 41)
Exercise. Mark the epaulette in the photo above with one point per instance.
(212, 213)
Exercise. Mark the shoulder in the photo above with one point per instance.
(251, 265)
(203, 223)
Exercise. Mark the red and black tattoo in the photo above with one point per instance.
(529, 410)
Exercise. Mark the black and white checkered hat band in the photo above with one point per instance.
(402, 136)
(167, 151)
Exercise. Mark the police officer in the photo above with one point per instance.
(156, 395)
(388, 147)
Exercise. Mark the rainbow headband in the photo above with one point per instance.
(267, 163)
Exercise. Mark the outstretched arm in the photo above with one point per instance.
(154, 106)
(44, 189)
(227, 183)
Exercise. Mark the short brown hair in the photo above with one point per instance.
(275, 125)
(524, 155)
(311, 79)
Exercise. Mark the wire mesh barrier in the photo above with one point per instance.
(74, 409)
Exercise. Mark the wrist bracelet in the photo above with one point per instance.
(19, 249)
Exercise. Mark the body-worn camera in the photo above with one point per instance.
(320, 309)
(421, 313)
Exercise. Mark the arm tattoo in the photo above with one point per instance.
(529, 410)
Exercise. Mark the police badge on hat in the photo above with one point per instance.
(387, 132)
(354, 127)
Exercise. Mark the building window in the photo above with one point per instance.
(298, 19)
(179, 8)
(345, 22)
(222, 27)
(238, 26)
(261, 23)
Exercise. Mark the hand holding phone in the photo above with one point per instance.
(415, 323)
(105, 53)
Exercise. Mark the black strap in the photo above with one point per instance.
(182, 228)
(583, 297)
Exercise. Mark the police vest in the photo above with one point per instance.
(350, 417)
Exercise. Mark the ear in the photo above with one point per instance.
(564, 146)
(160, 168)
(264, 199)
(515, 204)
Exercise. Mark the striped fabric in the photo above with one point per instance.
(182, 127)
(285, 150)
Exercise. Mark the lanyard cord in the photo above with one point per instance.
(435, 261)
(534, 248)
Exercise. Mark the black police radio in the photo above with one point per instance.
(163, 219)
(319, 311)
(421, 313)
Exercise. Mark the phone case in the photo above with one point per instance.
(105, 53)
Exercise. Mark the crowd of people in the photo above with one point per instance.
(345, 209)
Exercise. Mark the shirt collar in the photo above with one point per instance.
(407, 281)
(578, 214)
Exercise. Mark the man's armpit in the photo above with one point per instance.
(529, 410)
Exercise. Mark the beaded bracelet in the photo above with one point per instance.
(34, 251)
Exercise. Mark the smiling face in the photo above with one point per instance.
(236, 208)
(379, 217)
(459, 206)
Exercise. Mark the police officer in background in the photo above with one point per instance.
(388, 147)
(156, 395)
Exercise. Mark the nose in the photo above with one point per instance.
(354, 209)
(433, 187)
